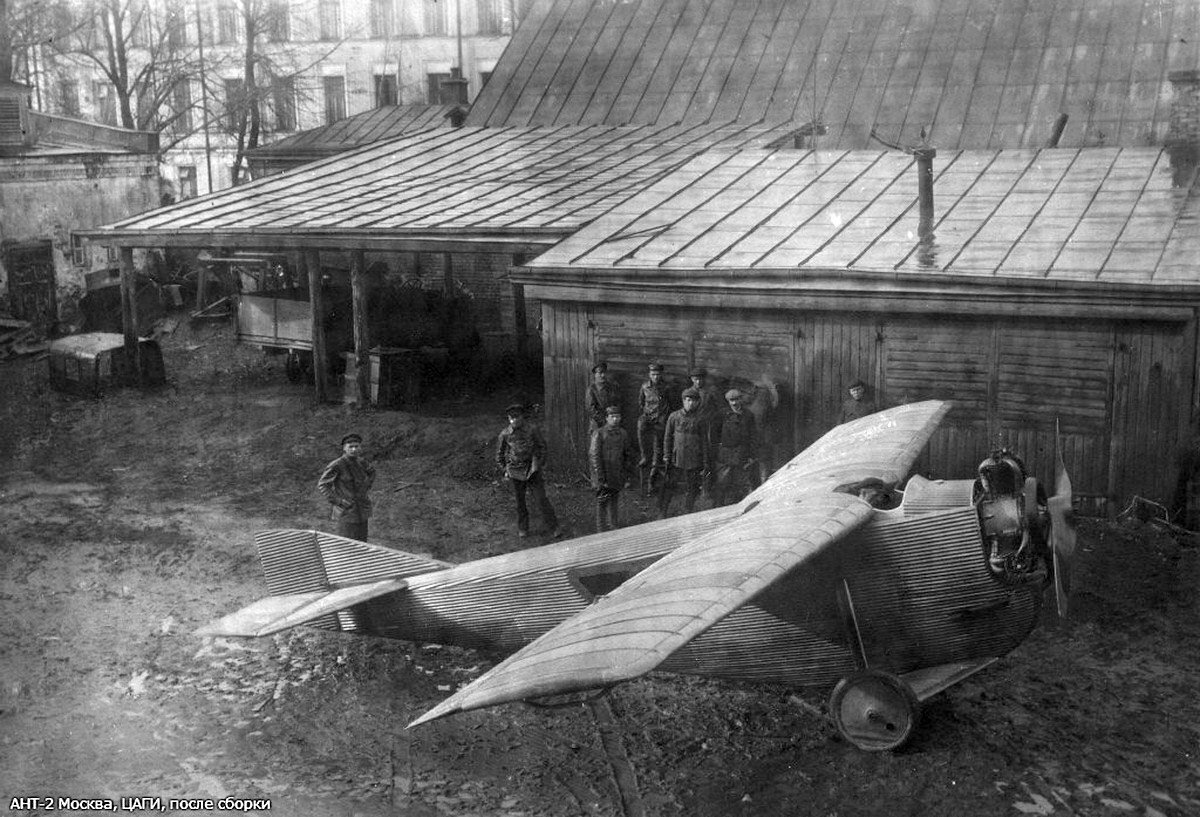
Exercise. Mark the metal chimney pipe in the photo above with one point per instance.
(924, 155)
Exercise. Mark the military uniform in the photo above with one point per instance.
(654, 406)
(598, 398)
(521, 455)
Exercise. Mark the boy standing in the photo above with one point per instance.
(521, 455)
(345, 483)
(610, 454)
(685, 454)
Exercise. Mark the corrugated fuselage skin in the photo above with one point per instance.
(918, 585)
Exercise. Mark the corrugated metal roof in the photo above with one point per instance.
(356, 131)
(974, 73)
(524, 182)
(1109, 215)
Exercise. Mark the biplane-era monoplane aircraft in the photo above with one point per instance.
(825, 576)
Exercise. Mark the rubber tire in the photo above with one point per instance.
(875, 711)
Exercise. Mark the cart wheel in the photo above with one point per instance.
(293, 366)
(876, 711)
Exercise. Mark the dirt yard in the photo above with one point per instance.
(126, 523)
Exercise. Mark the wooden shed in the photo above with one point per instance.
(1057, 288)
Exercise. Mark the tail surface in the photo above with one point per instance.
(314, 577)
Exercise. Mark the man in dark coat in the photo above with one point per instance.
(601, 393)
(611, 456)
(857, 404)
(712, 406)
(521, 455)
(737, 451)
(685, 453)
(654, 406)
(345, 483)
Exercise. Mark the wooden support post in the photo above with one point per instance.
(201, 286)
(362, 354)
(316, 303)
(129, 316)
(519, 320)
(447, 275)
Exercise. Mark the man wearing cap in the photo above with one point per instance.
(654, 406)
(737, 451)
(685, 453)
(601, 394)
(521, 455)
(345, 483)
(857, 405)
(611, 456)
(712, 404)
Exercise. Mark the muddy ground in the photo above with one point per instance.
(126, 523)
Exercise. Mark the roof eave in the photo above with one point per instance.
(872, 290)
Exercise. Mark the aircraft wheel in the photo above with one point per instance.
(876, 711)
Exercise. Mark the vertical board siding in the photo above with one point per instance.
(1119, 392)
(832, 351)
(1057, 377)
(1157, 381)
(567, 353)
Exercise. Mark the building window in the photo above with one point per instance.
(181, 101)
(277, 25)
(235, 97)
(227, 23)
(385, 90)
(437, 13)
(139, 35)
(433, 85)
(283, 97)
(330, 19)
(105, 97)
(490, 14)
(79, 250)
(484, 76)
(187, 182)
(176, 26)
(383, 19)
(335, 98)
(68, 92)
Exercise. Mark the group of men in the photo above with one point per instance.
(703, 443)
(708, 443)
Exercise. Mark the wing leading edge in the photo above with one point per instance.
(794, 516)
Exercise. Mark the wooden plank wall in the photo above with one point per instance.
(1152, 412)
(567, 343)
(1119, 392)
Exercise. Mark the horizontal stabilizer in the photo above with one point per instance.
(275, 613)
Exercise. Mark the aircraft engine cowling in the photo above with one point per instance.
(1012, 518)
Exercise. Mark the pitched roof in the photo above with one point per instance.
(1106, 215)
(355, 131)
(499, 184)
(974, 73)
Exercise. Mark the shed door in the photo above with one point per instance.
(1048, 375)
(31, 287)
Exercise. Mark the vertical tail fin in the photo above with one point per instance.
(306, 561)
